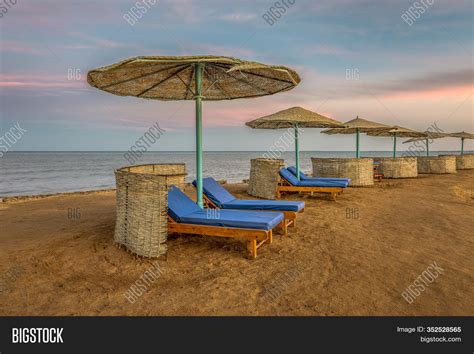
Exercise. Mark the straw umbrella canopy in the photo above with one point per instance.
(294, 117)
(429, 135)
(395, 132)
(357, 126)
(198, 78)
(462, 135)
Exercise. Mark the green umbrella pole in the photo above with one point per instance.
(198, 98)
(357, 143)
(427, 148)
(297, 152)
(394, 145)
(462, 146)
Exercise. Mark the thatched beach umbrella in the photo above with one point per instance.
(296, 118)
(426, 139)
(357, 126)
(198, 78)
(395, 132)
(462, 135)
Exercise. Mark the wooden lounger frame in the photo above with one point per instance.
(289, 220)
(255, 238)
(378, 176)
(285, 186)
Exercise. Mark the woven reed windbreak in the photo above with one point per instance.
(436, 164)
(142, 206)
(464, 162)
(264, 177)
(399, 167)
(360, 171)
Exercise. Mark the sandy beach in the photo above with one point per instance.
(351, 257)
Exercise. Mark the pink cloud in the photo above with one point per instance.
(19, 47)
(40, 81)
(456, 91)
(238, 17)
(213, 49)
(95, 42)
(326, 50)
(53, 14)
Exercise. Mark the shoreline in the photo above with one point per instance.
(19, 198)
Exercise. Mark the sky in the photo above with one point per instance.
(355, 58)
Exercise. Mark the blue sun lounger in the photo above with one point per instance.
(218, 197)
(303, 177)
(291, 184)
(186, 217)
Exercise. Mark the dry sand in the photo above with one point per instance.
(351, 257)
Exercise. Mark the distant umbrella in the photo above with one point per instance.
(357, 126)
(429, 135)
(295, 117)
(397, 131)
(197, 78)
(463, 135)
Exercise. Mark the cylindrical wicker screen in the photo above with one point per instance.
(398, 167)
(264, 177)
(436, 164)
(360, 171)
(142, 206)
(464, 162)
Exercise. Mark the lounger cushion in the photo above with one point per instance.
(250, 204)
(184, 210)
(303, 177)
(260, 220)
(223, 199)
(179, 204)
(215, 192)
(291, 178)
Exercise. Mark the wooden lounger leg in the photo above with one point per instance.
(285, 227)
(269, 236)
(334, 195)
(293, 224)
(252, 248)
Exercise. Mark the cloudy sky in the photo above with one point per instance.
(355, 58)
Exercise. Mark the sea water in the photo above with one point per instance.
(33, 173)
